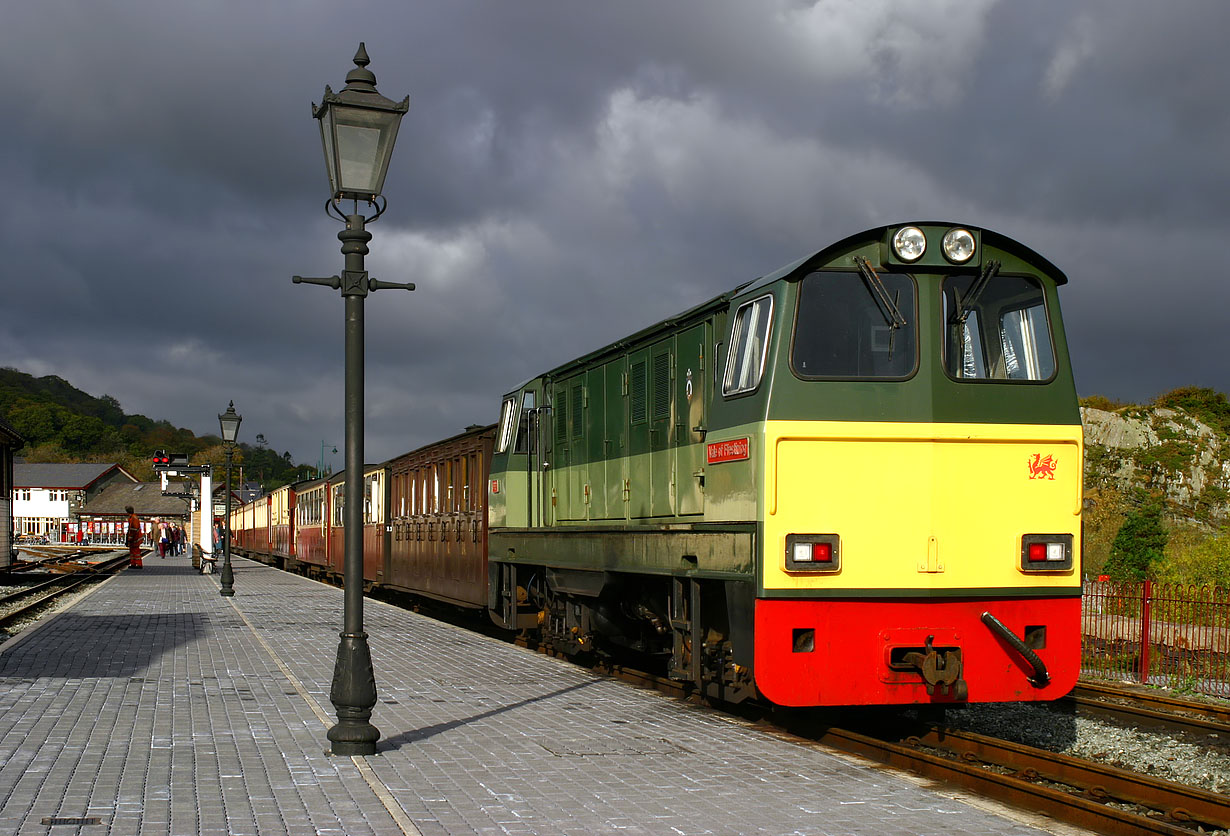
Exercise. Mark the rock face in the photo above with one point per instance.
(1164, 451)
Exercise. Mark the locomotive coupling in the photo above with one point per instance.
(940, 670)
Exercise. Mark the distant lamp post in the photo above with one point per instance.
(229, 422)
(358, 127)
(320, 465)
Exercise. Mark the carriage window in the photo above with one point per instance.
(749, 343)
(846, 328)
(339, 506)
(998, 333)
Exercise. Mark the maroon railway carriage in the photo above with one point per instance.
(438, 517)
(262, 529)
(424, 522)
(375, 523)
(311, 528)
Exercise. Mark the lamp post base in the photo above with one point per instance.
(353, 694)
(228, 579)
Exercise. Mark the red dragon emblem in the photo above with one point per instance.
(1042, 467)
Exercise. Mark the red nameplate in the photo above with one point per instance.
(735, 450)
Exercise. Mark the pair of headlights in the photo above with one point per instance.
(910, 243)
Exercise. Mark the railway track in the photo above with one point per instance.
(1205, 721)
(1100, 798)
(24, 603)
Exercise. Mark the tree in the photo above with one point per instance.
(1139, 545)
(81, 433)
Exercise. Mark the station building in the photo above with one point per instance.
(48, 498)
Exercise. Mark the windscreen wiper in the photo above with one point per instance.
(892, 314)
(964, 306)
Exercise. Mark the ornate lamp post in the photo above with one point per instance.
(229, 422)
(358, 127)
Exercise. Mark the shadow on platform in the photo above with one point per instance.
(76, 647)
(398, 740)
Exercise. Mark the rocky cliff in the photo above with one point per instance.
(1160, 450)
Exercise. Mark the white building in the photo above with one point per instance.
(47, 498)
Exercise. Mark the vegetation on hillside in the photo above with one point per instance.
(60, 423)
(1136, 532)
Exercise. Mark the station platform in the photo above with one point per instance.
(156, 706)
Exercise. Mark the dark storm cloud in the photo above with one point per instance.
(569, 173)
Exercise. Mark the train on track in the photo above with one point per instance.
(856, 480)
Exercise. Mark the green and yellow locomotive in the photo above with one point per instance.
(856, 480)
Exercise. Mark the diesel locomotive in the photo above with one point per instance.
(853, 481)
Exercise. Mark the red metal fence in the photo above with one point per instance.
(1170, 635)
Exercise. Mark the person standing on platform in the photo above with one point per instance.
(133, 538)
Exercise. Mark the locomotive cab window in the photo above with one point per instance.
(851, 325)
(514, 425)
(508, 423)
(997, 331)
(749, 343)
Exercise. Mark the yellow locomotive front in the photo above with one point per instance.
(919, 458)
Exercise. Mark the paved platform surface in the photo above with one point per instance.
(156, 706)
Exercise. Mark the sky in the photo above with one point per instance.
(570, 172)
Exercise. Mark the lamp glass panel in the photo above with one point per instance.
(359, 148)
(326, 137)
(364, 141)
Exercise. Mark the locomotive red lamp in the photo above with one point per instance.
(813, 553)
(1046, 552)
(358, 127)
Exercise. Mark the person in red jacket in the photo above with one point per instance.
(133, 538)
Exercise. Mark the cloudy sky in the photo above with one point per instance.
(570, 172)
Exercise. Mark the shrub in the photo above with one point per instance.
(1203, 561)
(1139, 545)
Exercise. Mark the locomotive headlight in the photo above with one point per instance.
(909, 243)
(958, 245)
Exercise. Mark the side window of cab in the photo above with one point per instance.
(749, 345)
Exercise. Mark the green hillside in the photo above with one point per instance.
(61, 423)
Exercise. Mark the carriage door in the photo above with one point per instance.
(691, 396)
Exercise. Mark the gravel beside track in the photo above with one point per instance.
(1149, 752)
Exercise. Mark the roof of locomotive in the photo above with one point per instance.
(792, 270)
(880, 233)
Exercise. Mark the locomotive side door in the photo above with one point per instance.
(661, 430)
(691, 395)
(538, 460)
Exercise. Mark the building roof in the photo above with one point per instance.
(145, 498)
(7, 433)
(62, 476)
